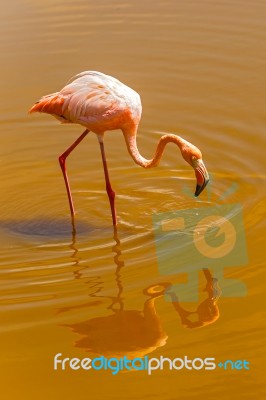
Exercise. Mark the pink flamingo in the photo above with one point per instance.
(102, 103)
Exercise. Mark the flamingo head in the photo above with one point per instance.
(194, 157)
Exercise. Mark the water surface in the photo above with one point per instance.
(200, 70)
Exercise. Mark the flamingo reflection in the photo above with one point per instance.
(135, 333)
(207, 311)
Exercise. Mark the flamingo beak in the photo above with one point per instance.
(202, 177)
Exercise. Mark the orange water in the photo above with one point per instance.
(199, 67)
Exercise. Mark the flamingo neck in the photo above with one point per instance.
(131, 143)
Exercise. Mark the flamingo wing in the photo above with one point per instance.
(98, 101)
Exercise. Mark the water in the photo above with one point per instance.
(199, 68)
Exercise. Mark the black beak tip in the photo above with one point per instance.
(199, 188)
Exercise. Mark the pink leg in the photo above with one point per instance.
(62, 162)
(110, 192)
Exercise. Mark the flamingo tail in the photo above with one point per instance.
(50, 104)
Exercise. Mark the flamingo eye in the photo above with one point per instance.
(194, 161)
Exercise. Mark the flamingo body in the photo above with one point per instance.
(95, 100)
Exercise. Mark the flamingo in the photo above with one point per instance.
(102, 103)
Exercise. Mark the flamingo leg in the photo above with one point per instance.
(62, 162)
(109, 190)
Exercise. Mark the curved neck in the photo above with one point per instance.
(130, 138)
